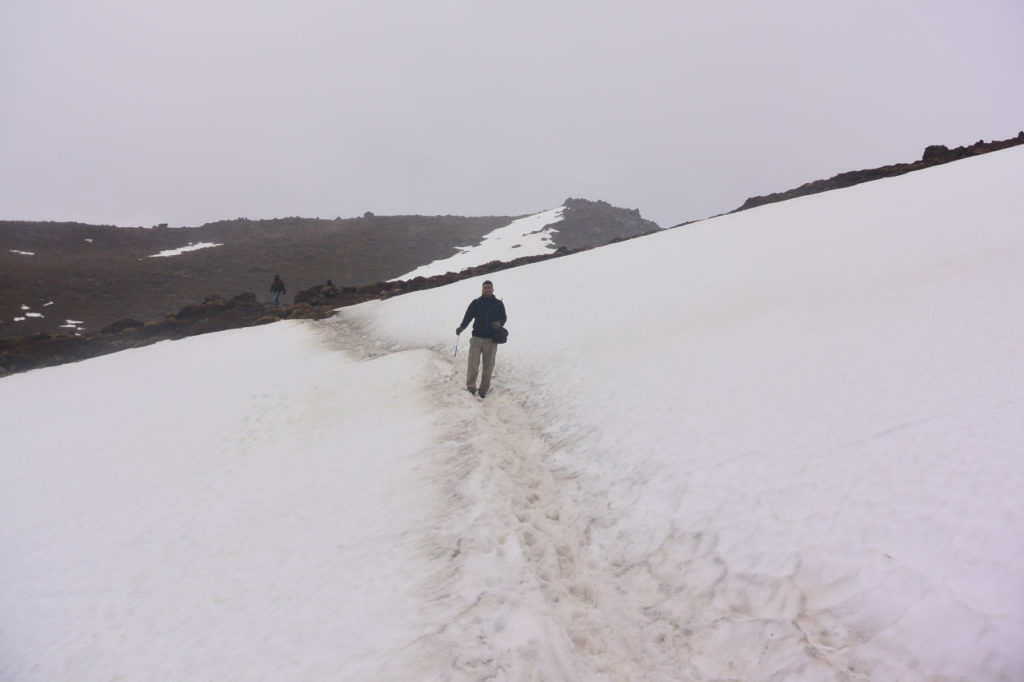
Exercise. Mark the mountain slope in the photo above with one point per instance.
(54, 274)
(780, 444)
(801, 424)
(934, 155)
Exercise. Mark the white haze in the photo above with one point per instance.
(136, 113)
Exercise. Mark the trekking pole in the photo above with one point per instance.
(454, 368)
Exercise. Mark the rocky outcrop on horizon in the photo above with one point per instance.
(934, 155)
(590, 223)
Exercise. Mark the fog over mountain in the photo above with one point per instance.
(128, 113)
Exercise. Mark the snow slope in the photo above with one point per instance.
(784, 444)
(529, 236)
(185, 249)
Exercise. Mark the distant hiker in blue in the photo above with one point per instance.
(488, 314)
(277, 288)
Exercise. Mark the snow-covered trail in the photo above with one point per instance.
(514, 592)
(540, 570)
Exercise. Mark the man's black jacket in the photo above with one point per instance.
(483, 311)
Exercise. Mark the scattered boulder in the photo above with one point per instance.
(121, 325)
(301, 310)
(321, 295)
(935, 153)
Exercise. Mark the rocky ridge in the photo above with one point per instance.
(934, 155)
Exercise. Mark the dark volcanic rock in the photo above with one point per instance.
(593, 223)
(933, 156)
(322, 295)
(121, 325)
(935, 153)
(101, 275)
(215, 313)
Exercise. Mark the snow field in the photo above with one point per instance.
(168, 253)
(783, 444)
(206, 506)
(528, 236)
(799, 426)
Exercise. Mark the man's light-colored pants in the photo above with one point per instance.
(480, 348)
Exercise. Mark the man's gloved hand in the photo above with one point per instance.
(495, 325)
(458, 330)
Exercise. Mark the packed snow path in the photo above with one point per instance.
(545, 572)
(517, 590)
(518, 594)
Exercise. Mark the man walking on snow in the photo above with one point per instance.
(488, 314)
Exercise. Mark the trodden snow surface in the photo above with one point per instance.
(784, 444)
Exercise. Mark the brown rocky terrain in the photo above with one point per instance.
(217, 314)
(95, 275)
(100, 274)
(104, 277)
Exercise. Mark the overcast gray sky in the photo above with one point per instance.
(135, 112)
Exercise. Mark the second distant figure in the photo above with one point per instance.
(488, 314)
(277, 288)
